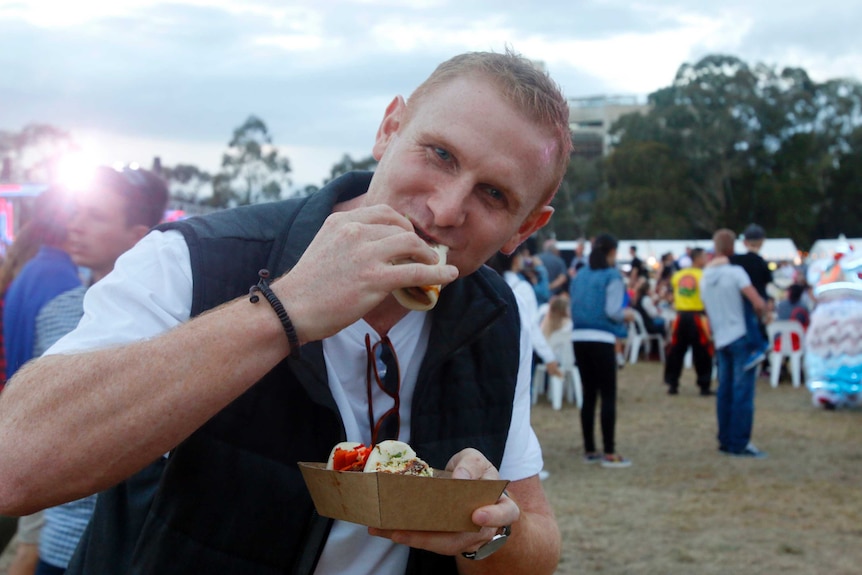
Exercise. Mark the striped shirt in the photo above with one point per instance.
(64, 524)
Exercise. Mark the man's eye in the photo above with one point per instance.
(494, 194)
(443, 154)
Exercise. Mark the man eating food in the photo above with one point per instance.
(241, 391)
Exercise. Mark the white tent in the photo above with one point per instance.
(826, 249)
(650, 251)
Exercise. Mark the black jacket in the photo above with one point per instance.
(232, 499)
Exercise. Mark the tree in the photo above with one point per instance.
(34, 152)
(643, 194)
(574, 200)
(252, 169)
(843, 196)
(348, 164)
(750, 143)
(187, 183)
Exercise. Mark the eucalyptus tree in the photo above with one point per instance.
(252, 169)
(753, 143)
(32, 154)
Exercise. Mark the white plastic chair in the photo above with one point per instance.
(634, 339)
(640, 336)
(783, 331)
(570, 384)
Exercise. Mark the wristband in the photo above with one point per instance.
(262, 286)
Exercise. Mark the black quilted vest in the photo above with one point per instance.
(232, 499)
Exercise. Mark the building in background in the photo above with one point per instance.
(591, 118)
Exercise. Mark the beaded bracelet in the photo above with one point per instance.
(262, 286)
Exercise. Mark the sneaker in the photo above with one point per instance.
(750, 451)
(592, 457)
(621, 360)
(754, 360)
(615, 461)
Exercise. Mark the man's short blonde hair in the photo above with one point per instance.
(724, 240)
(522, 83)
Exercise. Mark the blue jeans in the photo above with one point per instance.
(734, 402)
(753, 329)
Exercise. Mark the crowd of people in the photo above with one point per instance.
(154, 413)
(710, 306)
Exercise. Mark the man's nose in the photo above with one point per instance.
(449, 203)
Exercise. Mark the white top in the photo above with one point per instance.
(150, 291)
(528, 307)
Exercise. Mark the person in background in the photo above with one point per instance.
(723, 288)
(558, 277)
(44, 276)
(638, 268)
(690, 328)
(579, 259)
(242, 388)
(599, 319)
(644, 303)
(761, 276)
(511, 268)
(27, 242)
(685, 259)
(111, 214)
(558, 317)
(663, 288)
(532, 269)
(792, 307)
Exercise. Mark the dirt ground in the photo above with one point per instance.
(682, 508)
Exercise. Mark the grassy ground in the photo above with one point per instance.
(682, 508)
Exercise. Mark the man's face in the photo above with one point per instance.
(98, 233)
(467, 169)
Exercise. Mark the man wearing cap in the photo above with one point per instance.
(761, 276)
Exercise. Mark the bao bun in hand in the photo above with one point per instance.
(422, 298)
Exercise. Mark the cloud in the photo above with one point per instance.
(321, 73)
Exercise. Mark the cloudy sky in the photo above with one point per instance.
(132, 79)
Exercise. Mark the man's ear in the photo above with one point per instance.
(139, 231)
(392, 119)
(535, 221)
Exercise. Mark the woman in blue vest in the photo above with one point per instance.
(599, 317)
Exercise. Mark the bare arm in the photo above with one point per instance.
(534, 545)
(76, 424)
(757, 302)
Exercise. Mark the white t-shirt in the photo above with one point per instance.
(150, 291)
(720, 290)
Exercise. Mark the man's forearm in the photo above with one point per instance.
(533, 548)
(77, 424)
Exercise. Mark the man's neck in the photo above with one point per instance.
(386, 315)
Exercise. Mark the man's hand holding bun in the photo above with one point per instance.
(422, 298)
(347, 270)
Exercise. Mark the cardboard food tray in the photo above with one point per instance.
(390, 501)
